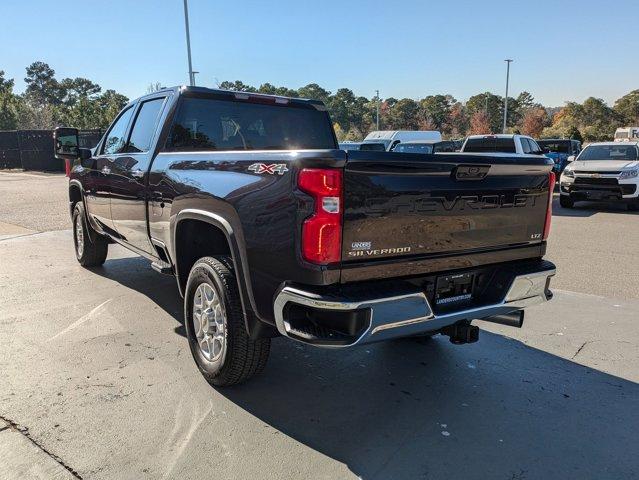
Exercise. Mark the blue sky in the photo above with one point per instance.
(563, 50)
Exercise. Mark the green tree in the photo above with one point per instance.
(627, 108)
(575, 134)
(8, 104)
(345, 108)
(72, 89)
(33, 114)
(404, 115)
(6, 84)
(237, 86)
(109, 103)
(525, 101)
(269, 89)
(42, 86)
(436, 109)
(85, 113)
(492, 105)
(314, 92)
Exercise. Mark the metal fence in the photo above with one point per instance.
(33, 149)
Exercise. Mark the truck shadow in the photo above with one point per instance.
(136, 273)
(495, 409)
(408, 410)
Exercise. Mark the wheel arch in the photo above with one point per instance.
(76, 194)
(220, 239)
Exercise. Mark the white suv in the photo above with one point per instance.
(602, 171)
(513, 144)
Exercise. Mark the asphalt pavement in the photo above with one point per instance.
(98, 381)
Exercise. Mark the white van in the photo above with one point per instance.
(627, 134)
(390, 138)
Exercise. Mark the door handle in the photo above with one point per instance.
(137, 173)
(105, 170)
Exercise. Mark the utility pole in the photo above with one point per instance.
(377, 96)
(508, 61)
(188, 43)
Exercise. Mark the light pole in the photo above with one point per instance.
(188, 43)
(377, 120)
(508, 60)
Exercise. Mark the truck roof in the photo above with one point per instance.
(614, 144)
(186, 89)
(424, 142)
(390, 134)
(498, 135)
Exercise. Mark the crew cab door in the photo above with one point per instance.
(130, 175)
(97, 190)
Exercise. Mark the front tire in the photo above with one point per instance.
(91, 248)
(566, 202)
(214, 321)
(633, 207)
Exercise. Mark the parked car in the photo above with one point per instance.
(350, 145)
(627, 134)
(270, 229)
(559, 149)
(369, 146)
(390, 138)
(425, 147)
(502, 143)
(603, 171)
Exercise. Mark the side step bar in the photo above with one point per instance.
(162, 267)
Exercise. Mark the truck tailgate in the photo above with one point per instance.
(398, 205)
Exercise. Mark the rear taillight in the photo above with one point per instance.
(551, 189)
(322, 231)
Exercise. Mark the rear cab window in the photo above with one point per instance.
(144, 126)
(413, 148)
(490, 144)
(373, 147)
(531, 147)
(556, 147)
(204, 123)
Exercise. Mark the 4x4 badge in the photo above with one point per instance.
(273, 168)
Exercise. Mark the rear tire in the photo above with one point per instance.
(215, 328)
(91, 248)
(566, 202)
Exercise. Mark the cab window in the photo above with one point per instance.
(145, 125)
(116, 137)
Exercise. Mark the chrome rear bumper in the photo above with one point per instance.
(410, 313)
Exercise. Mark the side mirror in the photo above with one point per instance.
(571, 158)
(65, 141)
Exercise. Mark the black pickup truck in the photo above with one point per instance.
(270, 229)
